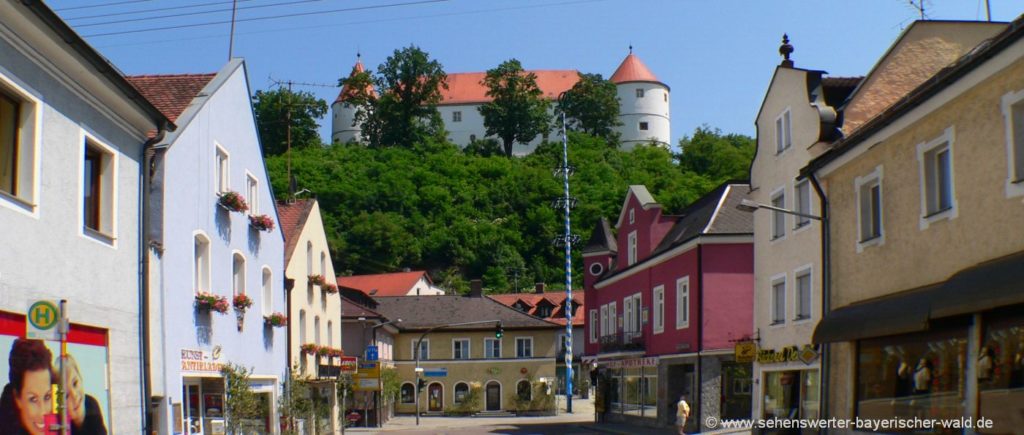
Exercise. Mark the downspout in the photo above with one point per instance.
(700, 334)
(146, 171)
(826, 291)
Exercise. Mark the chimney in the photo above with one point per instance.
(539, 289)
(476, 288)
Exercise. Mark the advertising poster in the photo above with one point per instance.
(34, 365)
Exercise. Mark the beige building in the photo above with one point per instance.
(514, 372)
(926, 240)
(799, 111)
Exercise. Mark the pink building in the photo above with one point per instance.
(667, 297)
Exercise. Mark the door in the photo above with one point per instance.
(435, 392)
(493, 396)
(193, 409)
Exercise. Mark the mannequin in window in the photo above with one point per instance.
(985, 366)
(923, 377)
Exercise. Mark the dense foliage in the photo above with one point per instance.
(518, 111)
(592, 106)
(274, 110)
(463, 215)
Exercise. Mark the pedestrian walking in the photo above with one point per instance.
(682, 413)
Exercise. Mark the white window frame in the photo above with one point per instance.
(267, 302)
(25, 198)
(776, 215)
(801, 204)
(632, 215)
(627, 315)
(592, 325)
(875, 176)
(252, 193)
(221, 169)
(201, 278)
(524, 339)
(457, 116)
(490, 355)
(783, 131)
(303, 333)
(604, 320)
(467, 350)
(238, 276)
(107, 233)
(774, 320)
(925, 158)
(632, 252)
(808, 271)
(455, 392)
(1014, 149)
(659, 309)
(426, 342)
(613, 317)
(638, 310)
(683, 302)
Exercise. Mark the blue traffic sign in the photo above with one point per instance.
(371, 353)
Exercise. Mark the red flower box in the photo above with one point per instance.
(262, 223)
(233, 201)
(209, 301)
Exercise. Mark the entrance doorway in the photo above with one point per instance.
(435, 393)
(493, 396)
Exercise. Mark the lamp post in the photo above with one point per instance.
(416, 350)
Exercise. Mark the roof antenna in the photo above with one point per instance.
(785, 50)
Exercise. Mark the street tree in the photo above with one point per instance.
(277, 109)
(716, 156)
(405, 113)
(591, 106)
(517, 111)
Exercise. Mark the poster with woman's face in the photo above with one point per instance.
(28, 367)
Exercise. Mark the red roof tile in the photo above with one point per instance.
(292, 216)
(555, 298)
(383, 284)
(346, 92)
(171, 93)
(633, 70)
(467, 88)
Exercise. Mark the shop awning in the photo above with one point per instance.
(992, 284)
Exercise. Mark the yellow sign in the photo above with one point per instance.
(368, 377)
(806, 354)
(746, 351)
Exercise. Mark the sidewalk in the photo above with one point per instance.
(629, 429)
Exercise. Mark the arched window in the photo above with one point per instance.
(268, 297)
(523, 390)
(201, 265)
(323, 265)
(461, 390)
(330, 334)
(302, 327)
(238, 274)
(408, 393)
(316, 330)
(309, 258)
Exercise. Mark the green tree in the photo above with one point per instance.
(517, 111)
(592, 106)
(273, 111)
(241, 403)
(716, 156)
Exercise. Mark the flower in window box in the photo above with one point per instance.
(330, 288)
(309, 348)
(233, 201)
(262, 223)
(242, 302)
(317, 280)
(335, 353)
(209, 301)
(275, 320)
(323, 351)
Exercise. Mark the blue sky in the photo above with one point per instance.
(717, 56)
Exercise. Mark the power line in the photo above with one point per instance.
(143, 11)
(271, 17)
(186, 14)
(102, 5)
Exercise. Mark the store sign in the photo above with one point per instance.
(806, 354)
(349, 365)
(197, 361)
(746, 352)
(632, 363)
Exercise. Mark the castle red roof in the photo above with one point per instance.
(171, 93)
(468, 88)
(633, 70)
(347, 92)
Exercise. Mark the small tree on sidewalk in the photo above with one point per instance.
(240, 403)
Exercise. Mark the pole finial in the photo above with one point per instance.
(630, 48)
(785, 50)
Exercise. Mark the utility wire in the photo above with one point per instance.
(143, 11)
(185, 14)
(270, 17)
(102, 5)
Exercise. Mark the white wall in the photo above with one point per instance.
(652, 108)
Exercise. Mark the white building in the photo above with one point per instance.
(643, 105)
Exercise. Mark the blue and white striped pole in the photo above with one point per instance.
(568, 272)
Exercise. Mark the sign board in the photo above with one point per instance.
(746, 352)
(349, 365)
(371, 353)
(369, 369)
(806, 354)
(198, 361)
(41, 321)
(368, 377)
(632, 363)
(367, 384)
(437, 372)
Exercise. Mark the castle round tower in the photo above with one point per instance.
(643, 104)
(344, 127)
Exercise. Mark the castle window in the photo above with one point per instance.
(666, 96)
(639, 93)
(457, 116)
(472, 138)
(643, 126)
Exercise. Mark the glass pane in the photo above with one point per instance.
(1001, 373)
(1018, 140)
(91, 189)
(8, 144)
(943, 179)
(876, 210)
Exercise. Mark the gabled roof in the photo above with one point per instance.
(632, 69)
(292, 216)
(422, 312)
(384, 284)
(643, 196)
(557, 299)
(171, 93)
(353, 310)
(468, 88)
(602, 239)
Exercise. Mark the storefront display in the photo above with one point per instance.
(791, 394)
(1001, 372)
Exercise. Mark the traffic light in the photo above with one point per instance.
(420, 383)
(499, 331)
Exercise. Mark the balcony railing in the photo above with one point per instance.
(625, 341)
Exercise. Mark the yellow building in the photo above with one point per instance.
(469, 369)
(926, 236)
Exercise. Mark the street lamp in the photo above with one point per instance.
(752, 206)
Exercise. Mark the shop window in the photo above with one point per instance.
(523, 390)
(460, 348)
(791, 394)
(408, 393)
(461, 391)
(913, 375)
(937, 193)
(524, 347)
(18, 145)
(1000, 371)
(99, 177)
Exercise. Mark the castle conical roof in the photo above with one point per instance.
(633, 70)
(347, 92)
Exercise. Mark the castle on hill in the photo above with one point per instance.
(643, 105)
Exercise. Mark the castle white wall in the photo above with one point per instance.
(343, 127)
(652, 108)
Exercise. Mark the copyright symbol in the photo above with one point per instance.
(711, 422)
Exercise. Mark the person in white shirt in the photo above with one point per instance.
(682, 413)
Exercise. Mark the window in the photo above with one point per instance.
(461, 390)
(613, 320)
(460, 348)
(237, 274)
(632, 215)
(666, 96)
(631, 311)
(201, 263)
(524, 347)
(643, 126)
(492, 348)
(1013, 112)
(472, 138)
(223, 170)
(778, 217)
(783, 132)
(456, 116)
(19, 123)
(10, 114)
(523, 390)
(592, 326)
(869, 207)
(683, 302)
(779, 301)
(802, 196)
(268, 299)
(596, 268)
(330, 333)
(803, 294)
(632, 249)
(323, 265)
(605, 329)
(639, 93)
(98, 194)
(936, 162)
(316, 330)
(302, 327)
(309, 258)
(659, 309)
(424, 349)
(408, 393)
